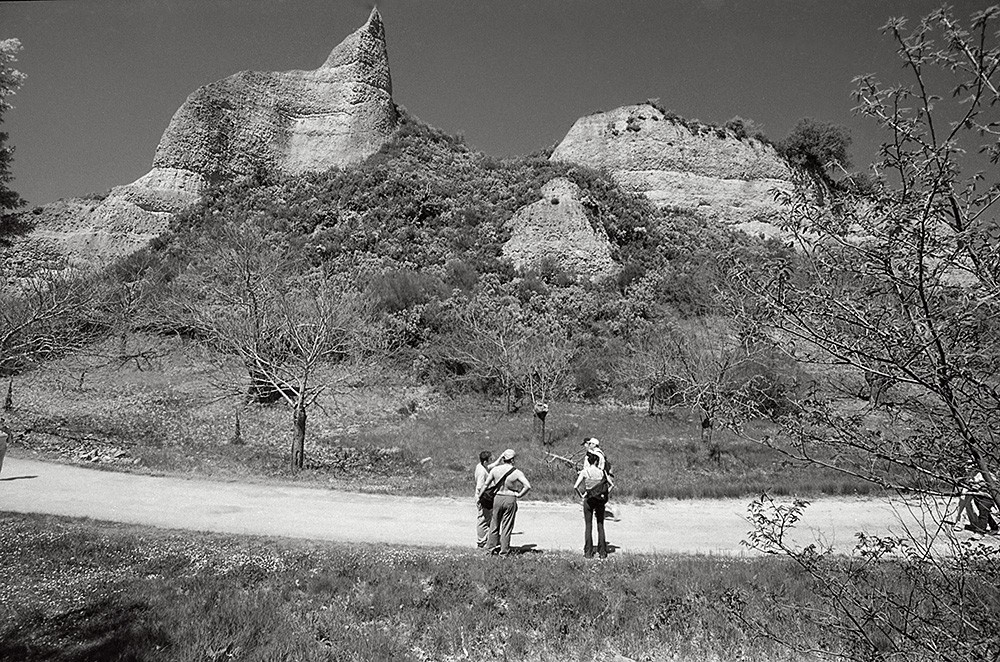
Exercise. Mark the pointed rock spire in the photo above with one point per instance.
(366, 49)
(287, 121)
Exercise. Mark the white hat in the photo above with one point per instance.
(508, 454)
(591, 442)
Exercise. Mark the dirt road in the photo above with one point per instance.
(690, 526)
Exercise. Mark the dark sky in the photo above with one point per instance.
(105, 76)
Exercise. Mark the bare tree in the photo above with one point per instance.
(497, 341)
(706, 364)
(298, 336)
(897, 286)
(43, 316)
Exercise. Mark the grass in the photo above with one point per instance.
(75, 590)
(169, 416)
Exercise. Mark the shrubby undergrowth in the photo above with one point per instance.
(76, 591)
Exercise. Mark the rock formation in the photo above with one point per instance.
(705, 171)
(286, 122)
(290, 122)
(556, 228)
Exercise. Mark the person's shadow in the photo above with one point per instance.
(16, 478)
(530, 548)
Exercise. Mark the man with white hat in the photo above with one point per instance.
(511, 484)
(593, 447)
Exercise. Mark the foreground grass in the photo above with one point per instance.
(168, 415)
(75, 590)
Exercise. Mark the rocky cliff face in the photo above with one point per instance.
(288, 122)
(557, 228)
(292, 121)
(707, 172)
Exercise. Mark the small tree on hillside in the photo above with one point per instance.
(903, 288)
(484, 337)
(817, 149)
(297, 335)
(45, 316)
(705, 364)
(132, 293)
(498, 342)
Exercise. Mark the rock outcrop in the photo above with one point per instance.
(556, 229)
(705, 171)
(290, 122)
(252, 122)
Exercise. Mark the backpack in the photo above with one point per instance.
(607, 463)
(598, 494)
(487, 496)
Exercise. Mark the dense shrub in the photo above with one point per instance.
(423, 220)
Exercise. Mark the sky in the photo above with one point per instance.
(511, 76)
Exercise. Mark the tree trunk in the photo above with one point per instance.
(8, 402)
(299, 439)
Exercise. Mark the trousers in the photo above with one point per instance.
(502, 523)
(590, 513)
(484, 517)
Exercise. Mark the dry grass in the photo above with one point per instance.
(169, 416)
(75, 590)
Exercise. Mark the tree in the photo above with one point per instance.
(817, 146)
(497, 341)
(10, 80)
(131, 294)
(46, 315)
(817, 149)
(707, 364)
(297, 333)
(900, 289)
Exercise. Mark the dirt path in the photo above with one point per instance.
(702, 526)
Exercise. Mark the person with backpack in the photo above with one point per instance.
(596, 486)
(592, 446)
(505, 484)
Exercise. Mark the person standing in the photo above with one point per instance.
(484, 515)
(5, 439)
(977, 503)
(513, 485)
(592, 446)
(593, 485)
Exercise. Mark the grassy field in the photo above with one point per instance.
(75, 591)
(174, 414)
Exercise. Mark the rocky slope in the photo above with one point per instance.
(698, 169)
(287, 122)
(556, 228)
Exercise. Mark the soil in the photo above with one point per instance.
(707, 526)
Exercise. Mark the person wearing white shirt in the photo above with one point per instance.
(593, 485)
(593, 447)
